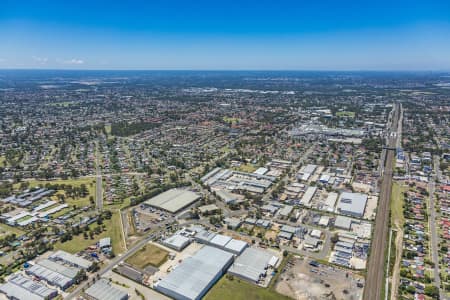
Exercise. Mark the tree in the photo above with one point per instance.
(432, 291)
(335, 238)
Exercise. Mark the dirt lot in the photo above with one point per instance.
(299, 280)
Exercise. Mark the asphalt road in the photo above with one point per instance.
(434, 234)
(285, 179)
(375, 272)
(99, 187)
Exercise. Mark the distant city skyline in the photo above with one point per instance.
(240, 35)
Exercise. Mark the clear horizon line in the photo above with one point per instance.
(226, 70)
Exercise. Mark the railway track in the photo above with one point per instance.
(376, 264)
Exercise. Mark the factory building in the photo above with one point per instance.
(261, 171)
(308, 195)
(192, 279)
(221, 241)
(230, 180)
(252, 264)
(285, 211)
(20, 287)
(226, 196)
(102, 289)
(306, 172)
(342, 222)
(71, 259)
(54, 273)
(173, 200)
(352, 204)
(235, 246)
(330, 202)
(177, 242)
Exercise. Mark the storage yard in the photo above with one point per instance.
(303, 279)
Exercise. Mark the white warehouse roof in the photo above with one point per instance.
(236, 246)
(71, 259)
(102, 289)
(177, 241)
(251, 264)
(220, 240)
(352, 204)
(308, 195)
(173, 200)
(196, 274)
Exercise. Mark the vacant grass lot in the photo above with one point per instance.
(79, 202)
(148, 255)
(237, 289)
(397, 202)
(349, 114)
(113, 230)
(246, 168)
(6, 230)
(231, 120)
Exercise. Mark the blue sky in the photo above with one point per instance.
(294, 35)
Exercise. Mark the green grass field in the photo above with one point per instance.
(231, 120)
(246, 168)
(108, 129)
(238, 289)
(5, 230)
(61, 212)
(148, 255)
(113, 230)
(349, 114)
(2, 161)
(397, 201)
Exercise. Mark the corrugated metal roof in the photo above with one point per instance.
(177, 241)
(196, 274)
(18, 292)
(48, 275)
(72, 259)
(236, 246)
(220, 240)
(251, 264)
(31, 286)
(102, 289)
(173, 200)
(343, 222)
(353, 203)
(70, 272)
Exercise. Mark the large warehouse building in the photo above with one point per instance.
(71, 259)
(20, 287)
(173, 200)
(252, 264)
(102, 289)
(221, 241)
(352, 204)
(196, 275)
(54, 273)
